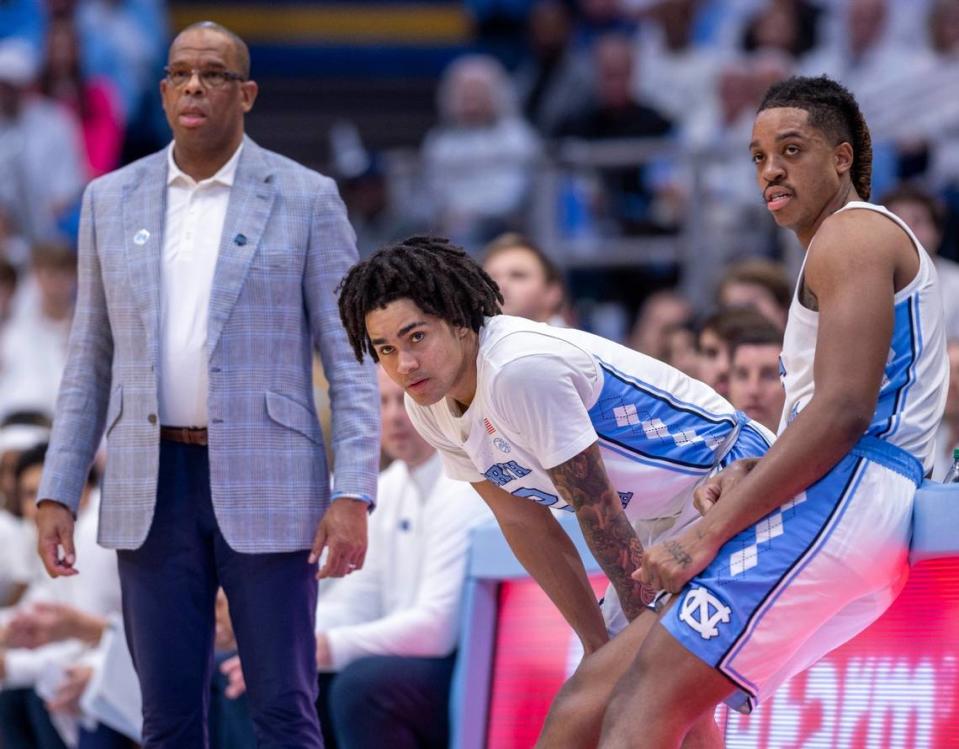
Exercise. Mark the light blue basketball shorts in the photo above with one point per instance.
(806, 578)
(752, 441)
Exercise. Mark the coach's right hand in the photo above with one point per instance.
(708, 493)
(55, 531)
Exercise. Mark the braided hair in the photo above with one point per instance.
(434, 274)
(833, 110)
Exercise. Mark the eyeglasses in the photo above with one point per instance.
(209, 77)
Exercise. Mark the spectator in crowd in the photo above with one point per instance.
(864, 46)
(202, 382)
(947, 439)
(33, 348)
(123, 41)
(17, 437)
(18, 566)
(760, 284)
(939, 129)
(40, 148)
(478, 160)
(736, 224)
(790, 26)
(531, 283)
(374, 214)
(616, 113)
(674, 68)
(925, 215)
(93, 101)
(679, 348)
(716, 334)
(555, 80)
(130, 39)
(387, 638)
(55, 627)
(754, 384)
(660, 312)
(871, 61)
(916, 125)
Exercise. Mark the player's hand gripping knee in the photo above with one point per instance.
(670, 565)
(709, 492)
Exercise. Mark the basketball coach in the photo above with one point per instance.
(207, 277)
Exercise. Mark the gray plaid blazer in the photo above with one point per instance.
(286, 244)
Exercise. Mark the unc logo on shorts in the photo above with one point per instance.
(501, 444)
(702, 611)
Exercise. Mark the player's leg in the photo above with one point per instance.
(576, 714)
(769, 604)
(664, 695)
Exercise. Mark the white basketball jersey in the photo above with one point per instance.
(913, 391)
(545, 394)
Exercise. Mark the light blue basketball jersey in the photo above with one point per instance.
(545, 394)
(913, 391)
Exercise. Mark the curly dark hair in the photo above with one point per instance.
(432, 272)
(833, 110)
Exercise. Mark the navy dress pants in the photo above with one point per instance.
(169, 590)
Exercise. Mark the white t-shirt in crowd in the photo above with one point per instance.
(406, 598)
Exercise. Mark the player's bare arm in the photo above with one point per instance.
(548, 554)
(583, 483)
(852, 271)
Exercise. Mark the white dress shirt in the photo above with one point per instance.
(406, 599)
(195, 213)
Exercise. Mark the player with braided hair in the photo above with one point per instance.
(801, 550)
(538, 417)
(435, 275)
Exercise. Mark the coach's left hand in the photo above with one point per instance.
(343, 531)
(673, 563)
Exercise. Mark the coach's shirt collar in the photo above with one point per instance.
(224, 176)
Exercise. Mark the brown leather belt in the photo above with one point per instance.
(184, 435)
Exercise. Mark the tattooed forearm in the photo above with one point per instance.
(583, 483)
(678, 553)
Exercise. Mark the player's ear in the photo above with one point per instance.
(843, 157)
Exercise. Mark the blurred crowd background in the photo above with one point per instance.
(591, 153)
